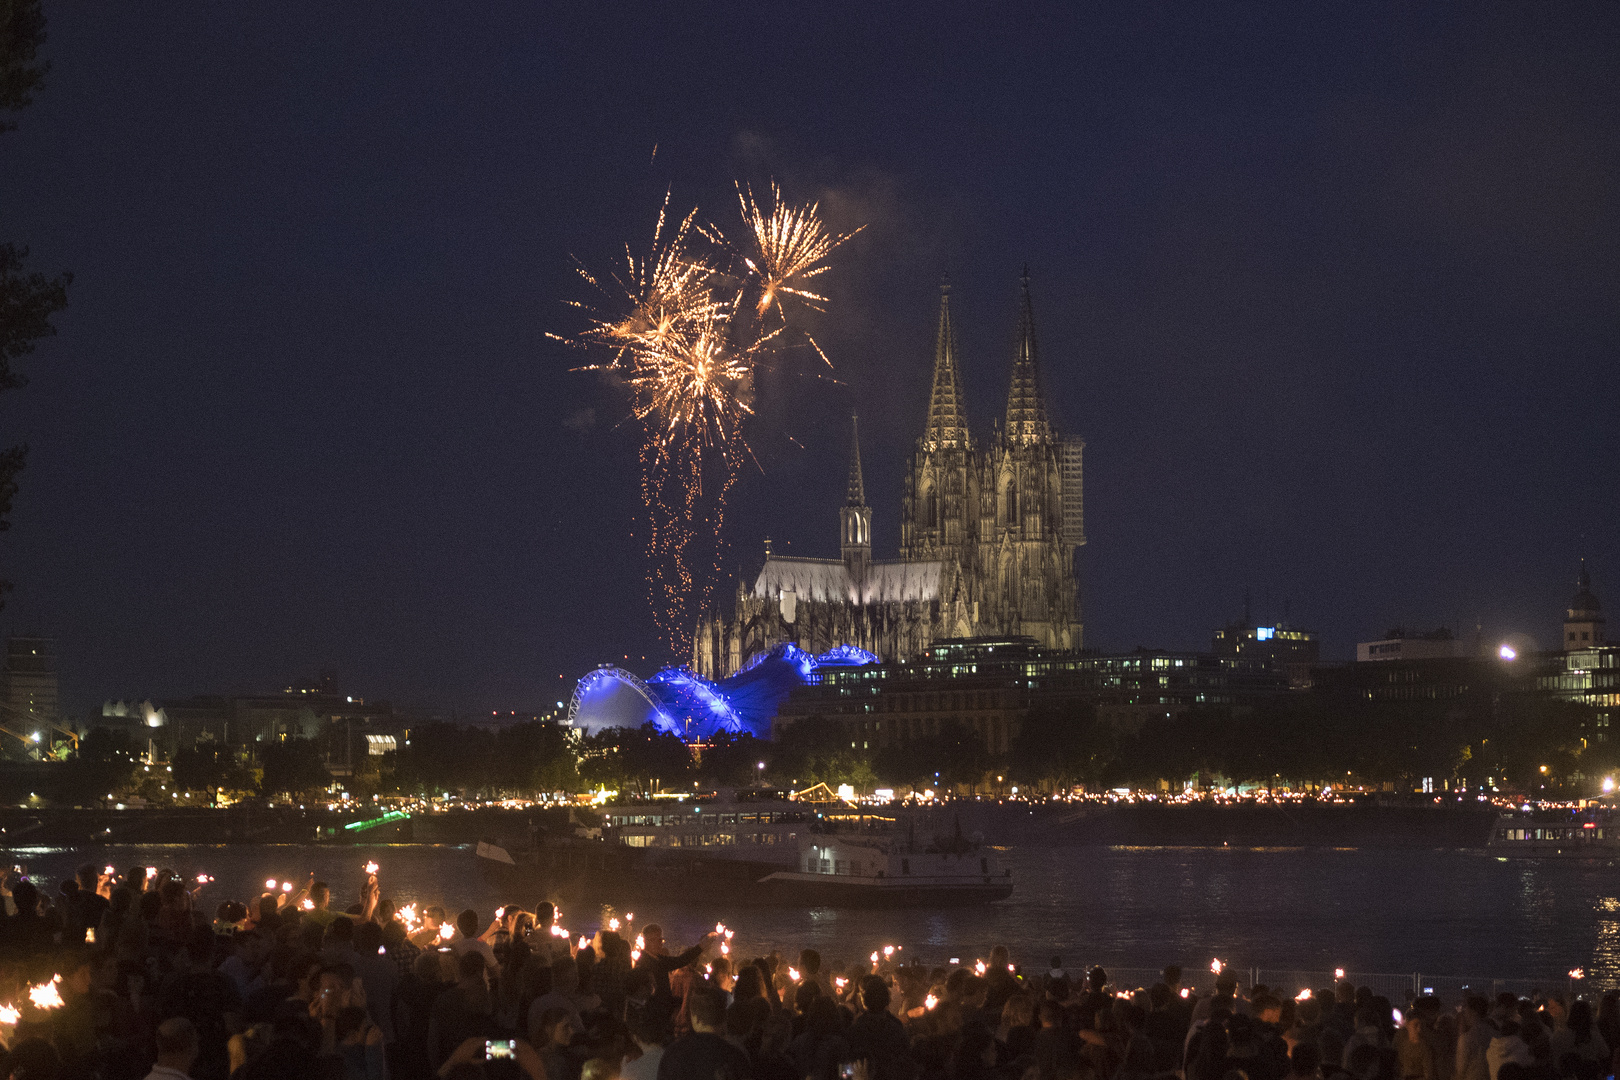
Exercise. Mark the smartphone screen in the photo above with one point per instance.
(498, 1049)
(847, 1070)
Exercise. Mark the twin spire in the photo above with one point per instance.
(947, 416)
(1026, 408)
(857, 484)
(1027, 422)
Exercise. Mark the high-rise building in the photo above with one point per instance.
(987, 539)
(1282, 648)
(31, 683)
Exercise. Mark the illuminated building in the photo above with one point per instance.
(1583, 619)
(31, 680)
(1284, 648)
(677, 701)
(1589, 670)
(990, 685)
(987, 539)
(1397, 644)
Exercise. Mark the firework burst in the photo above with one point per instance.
(685, 328)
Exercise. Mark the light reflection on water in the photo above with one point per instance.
(1444, 912)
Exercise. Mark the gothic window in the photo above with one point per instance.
(1012, 505)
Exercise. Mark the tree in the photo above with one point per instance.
(444, 757)
(27, 300)
(22, 32)
(733, 760)
(1059, 746)
(208, 768)
(818, 750)
(533, 757)
(107, 763)
(641, 759)
(292, 767)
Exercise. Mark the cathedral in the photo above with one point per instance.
(987, 538)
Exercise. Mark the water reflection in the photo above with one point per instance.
(1446, 912)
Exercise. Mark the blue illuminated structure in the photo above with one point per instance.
(679, 701)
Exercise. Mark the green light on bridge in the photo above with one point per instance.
(362, 826)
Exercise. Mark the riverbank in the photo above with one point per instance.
(1141, 824)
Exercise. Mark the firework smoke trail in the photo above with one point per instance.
(686, 328)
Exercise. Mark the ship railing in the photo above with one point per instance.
(1397, 986)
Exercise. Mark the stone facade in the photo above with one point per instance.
(987, 539)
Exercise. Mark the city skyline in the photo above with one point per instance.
(1329, 296)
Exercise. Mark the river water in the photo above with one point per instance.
(1454, 912)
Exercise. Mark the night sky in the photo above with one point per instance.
(1331, 291)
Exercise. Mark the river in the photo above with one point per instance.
(1453, 912)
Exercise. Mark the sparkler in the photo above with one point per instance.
(686, 328)
(10, 1014)
(1577, 973)
(1303, 995)
(793, 974)
(46, 995)
(930, 1002)
(446, 931)
(371, 868)
(1216, 966)
(270, 885)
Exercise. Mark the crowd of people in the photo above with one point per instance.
(124, 976)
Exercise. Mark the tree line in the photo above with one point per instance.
(1525, 743)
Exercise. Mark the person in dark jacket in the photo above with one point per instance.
(703, 1053)
(877, 1037)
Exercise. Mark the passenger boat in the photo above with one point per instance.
(1592, 832)
(756, 851)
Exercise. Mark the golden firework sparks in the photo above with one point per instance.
(790, 246)
(674, 331)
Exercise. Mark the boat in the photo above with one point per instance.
(749, 850)
(1591, 832)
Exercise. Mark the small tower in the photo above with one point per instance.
(1583, 620)
(855, 519)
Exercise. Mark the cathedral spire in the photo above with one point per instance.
(1026, 408)
(947, 420)
(857, 483)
